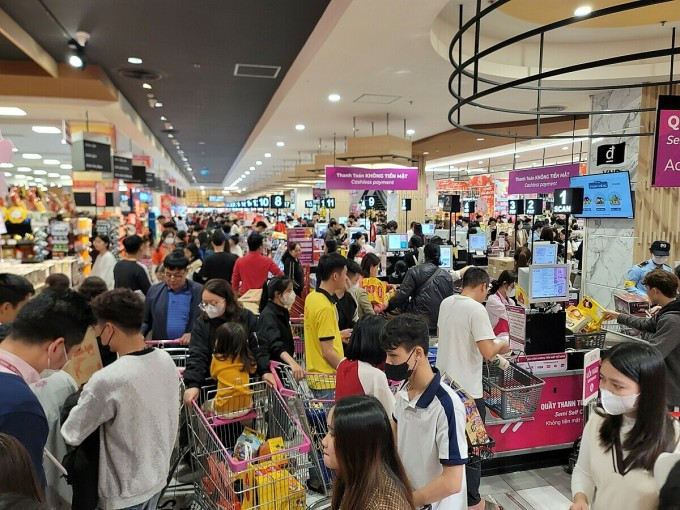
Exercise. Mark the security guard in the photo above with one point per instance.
(660, 251)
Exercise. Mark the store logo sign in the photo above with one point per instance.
(666, 171)
(611, 154)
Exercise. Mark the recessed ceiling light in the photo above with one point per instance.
(410, 132)
(480, 139)
(565, 148)
(135, 60)
(8, 174)
(6, 165)
(19, 176)
(201, 143)
(267, 154)
(252, 168)
(11, 111)
(163, 118)
(334, 98)
(516, 156)
(170, 135)
(51, 162)
(63, 176)
(24, 169)
(202, 187)
(425, 153)
(14, 149)
(53, 174)
(300, 127)
(258, 162)
(66, 166)
(280, 144)
(247, 172)
(147, 86)
(40, 172)
(31, 156)
(158, 104)
(46, 130)
(583, 10)
(243, 176)
(480, 161)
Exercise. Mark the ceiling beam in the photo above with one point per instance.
(23, 40)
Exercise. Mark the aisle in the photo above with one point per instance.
(539, 489)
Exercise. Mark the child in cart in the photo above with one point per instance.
(232, 365)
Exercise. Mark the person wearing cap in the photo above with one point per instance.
(660, 250)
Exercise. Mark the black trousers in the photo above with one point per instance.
(473, 471)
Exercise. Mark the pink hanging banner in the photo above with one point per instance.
(353, 178)
(666, 172)
(541, 180)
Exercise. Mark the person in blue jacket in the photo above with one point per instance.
(660, 251)
(171, 306)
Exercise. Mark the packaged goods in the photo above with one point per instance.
(248, 444)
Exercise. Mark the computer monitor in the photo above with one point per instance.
(356, 230)
(441, 232)
(397, 242)
(545, 284)
(364, 222)
(342, 220)
(544, 253)
(445, 257)
(477, 242)
(321, 228)
(428, 229)
(461, 239)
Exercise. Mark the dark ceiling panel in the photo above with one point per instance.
(195, 46)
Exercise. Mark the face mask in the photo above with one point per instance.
(659, 260)
(338, 232)
(399, 372)
(169, 240)
(615, 405)
(49, 360)
(213, 311)
(354, 286)
(288, 299)
(511, 292)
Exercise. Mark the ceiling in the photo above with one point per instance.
(194, 47)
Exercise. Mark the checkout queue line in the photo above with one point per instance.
(557, 417)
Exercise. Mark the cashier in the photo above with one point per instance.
(502, 295)
(660, 250)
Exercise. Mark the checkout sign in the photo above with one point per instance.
(568, 201)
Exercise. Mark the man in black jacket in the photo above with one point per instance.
(219, 264)
(425, 287)
(171, 306)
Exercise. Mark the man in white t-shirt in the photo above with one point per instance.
(466, 338)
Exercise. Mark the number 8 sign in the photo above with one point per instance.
(277, 201)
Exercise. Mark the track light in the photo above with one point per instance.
(77, 45)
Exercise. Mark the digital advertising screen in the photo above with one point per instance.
(605, 195)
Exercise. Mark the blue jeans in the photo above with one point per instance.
(325, 394)
(152, 504)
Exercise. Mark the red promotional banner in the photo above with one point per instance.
(486, 187)
(451, 185)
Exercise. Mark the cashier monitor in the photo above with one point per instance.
(428, 229)
(445, 257)
(544, 253)
(397, 242)
(477, 243)
(545, 283)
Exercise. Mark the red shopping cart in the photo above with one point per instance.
(229, 474)
(312, 399)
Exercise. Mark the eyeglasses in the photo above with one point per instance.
(173, 276)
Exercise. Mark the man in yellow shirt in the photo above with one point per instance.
(323, 344)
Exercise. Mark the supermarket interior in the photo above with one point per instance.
(336, 254)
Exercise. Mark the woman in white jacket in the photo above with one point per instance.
(615, 467)
(105, 262)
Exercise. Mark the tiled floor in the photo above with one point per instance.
(539, 489)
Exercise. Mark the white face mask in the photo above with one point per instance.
(288, 299)
(659, 260)
(169, 240)
(511, 292)
(615, 405)
(213, 311)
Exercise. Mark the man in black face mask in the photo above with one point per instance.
(425, 410)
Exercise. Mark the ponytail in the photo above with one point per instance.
(271, 287)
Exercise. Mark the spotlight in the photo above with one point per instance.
(77, 45)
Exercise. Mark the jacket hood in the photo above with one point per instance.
(673, 306)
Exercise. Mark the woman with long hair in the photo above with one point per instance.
(273, 326)
(522, 257)
(105, 261)
(17, 473)
(361, 450)
(619, 448)
(370, 265)
(502, 294)
(292, 267)
(353, 252)
(219, 304)
(412, 256)
(192, 252)
(164, 248)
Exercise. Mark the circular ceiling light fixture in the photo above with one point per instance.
(135, 60)
(252, 168)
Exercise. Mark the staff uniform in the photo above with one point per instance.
(637, 274)
(498, 314)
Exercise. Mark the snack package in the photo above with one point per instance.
(248, 444)
(274, 445)
(586, 317)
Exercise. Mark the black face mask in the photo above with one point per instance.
(399, 372)
(338, 232)
(101, 342)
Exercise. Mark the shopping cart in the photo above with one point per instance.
(178, 352)
(312, 399)
(229, 474)
(298, 328)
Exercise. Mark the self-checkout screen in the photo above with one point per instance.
(397, 242)
(549, 283)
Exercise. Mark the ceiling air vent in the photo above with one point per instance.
(256, 71)
(376, 99)
(140, 74)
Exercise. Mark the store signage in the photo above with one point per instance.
(139, 175)
(666, 172)
(541, 180)
(611, 154)
(122, 168)
(534, 206)
(150, 179)
(328, 203)
(263, 201)
(89, 155)
(405, 204)
(517, 322)
(309, 204)
(286, 204)
(374, 203)
(591, 375)
(215, 198)
(568, 201)
(277, 201)
(305, 238)
(451, 203)
(544, 363)
(353, 178)
(469, 206)
(515, 207)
